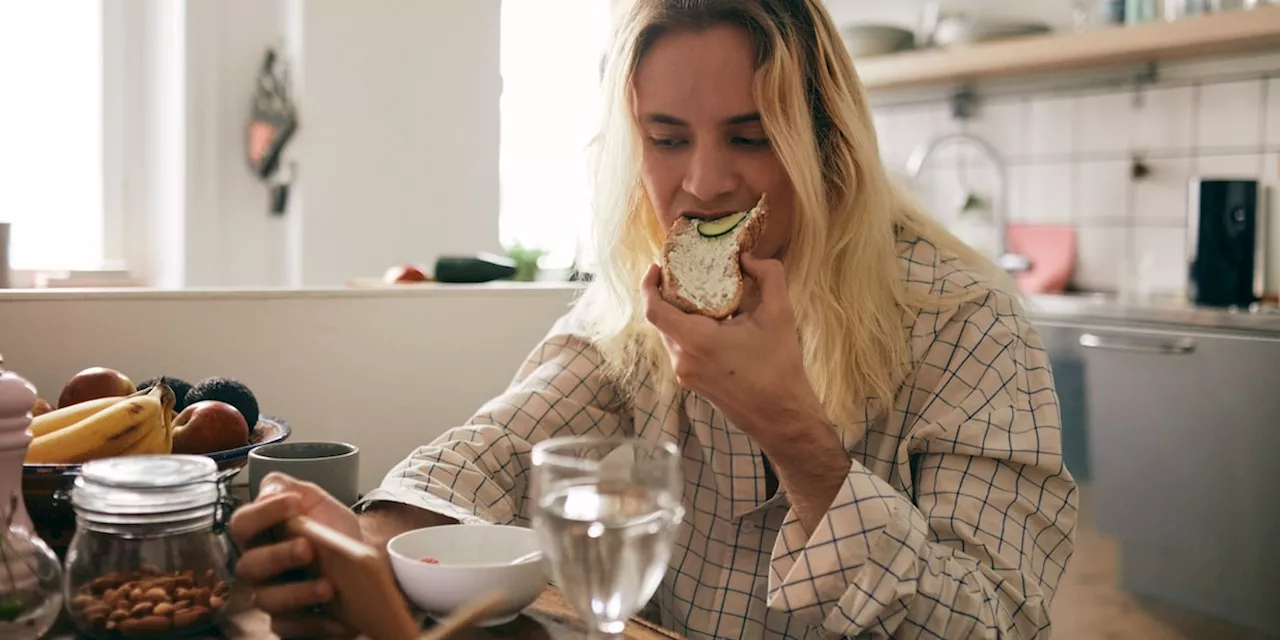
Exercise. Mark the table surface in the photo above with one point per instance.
(548, 618)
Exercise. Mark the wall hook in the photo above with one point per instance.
(963, 103)
(1138, 168)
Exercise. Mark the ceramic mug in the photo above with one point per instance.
(334, 466)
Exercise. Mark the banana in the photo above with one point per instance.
(47, 423)
(156, 441)
(108, 432)
(159, 440)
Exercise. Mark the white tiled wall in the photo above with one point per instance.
(1070, 154)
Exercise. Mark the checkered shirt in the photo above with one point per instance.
(956, 519)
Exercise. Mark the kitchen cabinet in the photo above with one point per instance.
(1185, 453)
(1062, 344)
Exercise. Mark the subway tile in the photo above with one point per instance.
(1164, 120)
(1103, 122)
(882, 120)
(1162, 195)
(1047, 196)
(1002, 124)
(1229, 166)
(1052, 127)
(914, 126)
(1273, 112)
(892, 151)
(984, 182)
(1229, 115)
(1101, 191)
(1019, 193)
(1100, 258)
(1160, 260)
(939, 190)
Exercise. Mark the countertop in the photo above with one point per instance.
(1170, 313)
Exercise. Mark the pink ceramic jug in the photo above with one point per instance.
(17, 397)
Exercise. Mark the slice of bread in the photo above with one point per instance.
(703, 274)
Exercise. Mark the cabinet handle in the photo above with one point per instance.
(1177, 347)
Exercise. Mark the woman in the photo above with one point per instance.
(878, 373)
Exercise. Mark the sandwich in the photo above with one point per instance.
(701, 268)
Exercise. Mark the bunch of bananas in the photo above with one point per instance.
(141, 423)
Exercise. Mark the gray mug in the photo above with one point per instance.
(334, 466)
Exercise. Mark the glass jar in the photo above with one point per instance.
(148, 558)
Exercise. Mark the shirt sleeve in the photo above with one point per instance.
(980, 550)
(479, 472)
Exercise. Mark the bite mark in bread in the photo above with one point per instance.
(703, 275)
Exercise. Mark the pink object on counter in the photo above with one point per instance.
(1052, 252)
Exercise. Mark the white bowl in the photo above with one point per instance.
(869, 40)
(474, 561)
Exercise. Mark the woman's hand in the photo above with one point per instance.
(282, 572)
(750, 366)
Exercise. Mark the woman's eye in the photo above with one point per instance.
(666, 143)
(755, 143)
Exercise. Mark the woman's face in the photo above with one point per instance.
(705, 150)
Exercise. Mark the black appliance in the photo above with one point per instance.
(1226, 237)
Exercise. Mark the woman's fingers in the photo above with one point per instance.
(252, 520)
(308, 626)
(292, 596)
(262, 564)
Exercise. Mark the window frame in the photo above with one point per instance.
(124, 88)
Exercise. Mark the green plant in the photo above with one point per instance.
(526, 260)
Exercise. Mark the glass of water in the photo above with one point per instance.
(607, 511)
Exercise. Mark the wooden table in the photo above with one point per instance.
(548, 618)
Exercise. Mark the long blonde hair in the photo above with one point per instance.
(841, 260)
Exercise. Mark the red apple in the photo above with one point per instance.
(209, 426)
(94, 383)
(406, 273)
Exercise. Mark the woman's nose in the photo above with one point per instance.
(710, 173)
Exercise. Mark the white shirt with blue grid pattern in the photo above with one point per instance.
(971, 544)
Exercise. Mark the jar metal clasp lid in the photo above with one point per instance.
(154, 489)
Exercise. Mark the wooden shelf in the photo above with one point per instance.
(1224, 33)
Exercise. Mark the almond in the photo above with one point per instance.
(185, 618)
(148, 626)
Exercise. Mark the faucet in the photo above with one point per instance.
(1010, 262)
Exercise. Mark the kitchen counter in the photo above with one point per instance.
(1174, 313)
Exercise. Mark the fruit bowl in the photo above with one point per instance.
(51, 513)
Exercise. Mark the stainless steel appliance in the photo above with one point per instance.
(1226, 242)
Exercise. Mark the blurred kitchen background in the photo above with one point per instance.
(1112, 144)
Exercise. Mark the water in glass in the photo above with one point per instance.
(607, 513)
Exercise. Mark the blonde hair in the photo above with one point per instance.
(846, 289)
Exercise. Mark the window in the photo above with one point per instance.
(550, 110)
(51, 125)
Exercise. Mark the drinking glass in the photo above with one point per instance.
(606, 511)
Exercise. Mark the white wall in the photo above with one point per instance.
(231, 237)
(398, 152)
(384, 369)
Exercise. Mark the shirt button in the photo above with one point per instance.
(748, 526)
